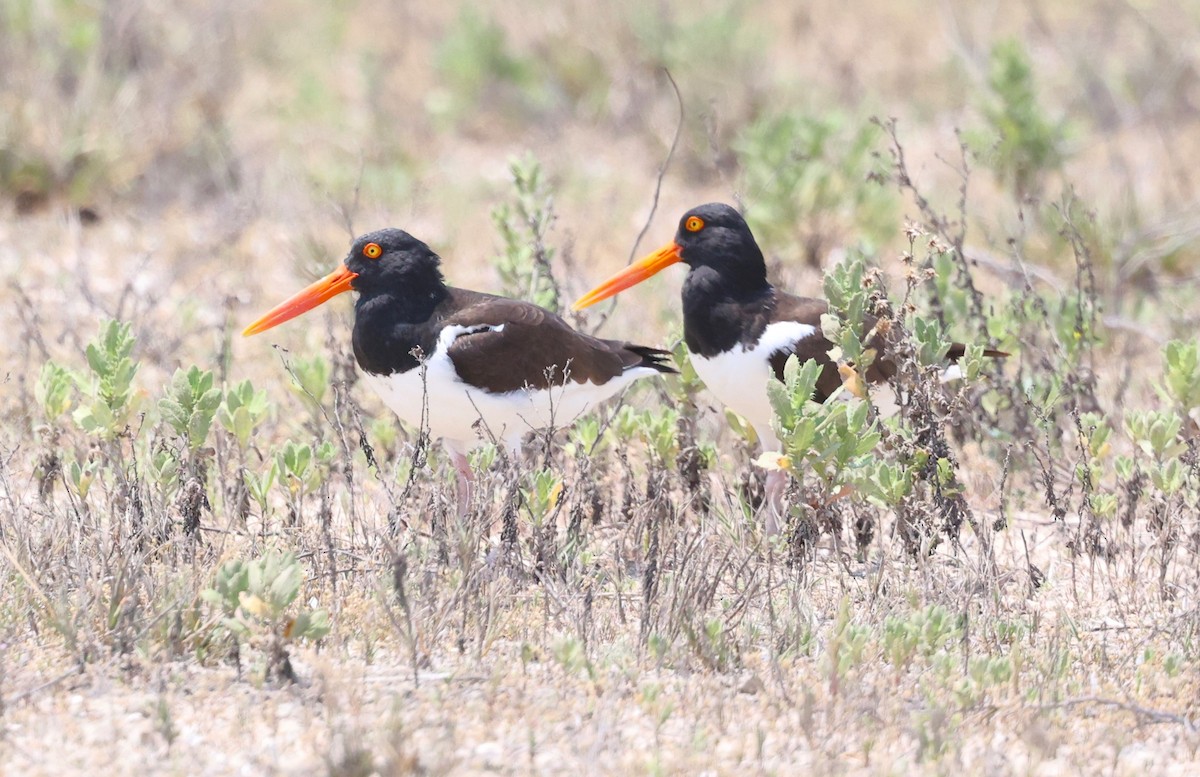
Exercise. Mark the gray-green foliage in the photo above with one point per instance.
(808, 182)
(189, 404)
(1156, 432)
(53, 391)
(919, 634)
(81, 475)
(259, 485)
(1020, 142)
(657, 428)
(719, 43)
(258, 594)
(475, 52)
(654, 428)
(833, 440)
(718, 50)
(108, 401)
(524, 262)
(843, 325)
(584, 437)
(164, 469)
(255, 602)
(242, 411)
(1181, 376)
(302, 468)
(541, 493)
(476, 64)
(311, 376)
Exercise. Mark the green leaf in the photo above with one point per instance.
(53, 391)
(286, 585)
(310, 625)
(190, 404)
(108, 405)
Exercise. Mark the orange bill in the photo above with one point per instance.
(631, 275)
(323, 290)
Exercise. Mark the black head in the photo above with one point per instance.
(386, 265)
(392, 260)
(715, 242)
(715, 235)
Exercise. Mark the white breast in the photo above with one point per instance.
(465, 416)
(739, 376)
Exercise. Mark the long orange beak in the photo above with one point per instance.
(323, 290)
(631, 275)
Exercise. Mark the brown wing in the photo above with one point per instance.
(509, 344)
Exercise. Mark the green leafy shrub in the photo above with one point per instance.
(189, 405)
(242, 412)
(301, 469)
(108, 402)
(255, 604)
(809, 184)
(311, 380)
(478, 69)
(1020, 142)
(541, 494)
(524, 263)
(53, 392)
(833, 440)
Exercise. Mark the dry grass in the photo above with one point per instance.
(228, 151)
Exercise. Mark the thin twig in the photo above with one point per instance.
(662, 172)
(1150, 715)
(662, 169)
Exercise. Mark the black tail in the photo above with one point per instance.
(957, 350)
(654, 358)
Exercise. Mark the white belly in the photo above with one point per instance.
(466, 417)
(739, 377)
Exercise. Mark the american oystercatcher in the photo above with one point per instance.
(471, 367)
(739, 328)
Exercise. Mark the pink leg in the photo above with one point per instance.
(775, 511)
(463, 484)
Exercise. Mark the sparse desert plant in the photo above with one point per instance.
(108, 401)
(809, 183)
(920, 633)
(830, 440)
(54, 396)
(1021, 142)
(479, 69)
(541, 494)
(311, 379)
(525, 259)
(242, 411)
(693, 456)
(301, 469)
(255, 600)
(1017, 554)
(189, 405)
(1181, 377)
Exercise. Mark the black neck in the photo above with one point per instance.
(724, 310)
(390, 324)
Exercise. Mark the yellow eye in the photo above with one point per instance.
(694, 224)
(372, 250)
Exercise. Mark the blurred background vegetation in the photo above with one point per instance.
(405, 113)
